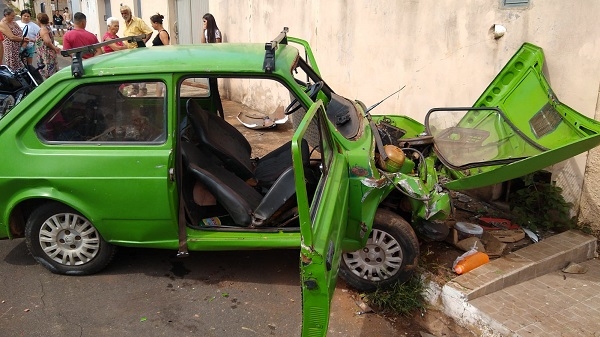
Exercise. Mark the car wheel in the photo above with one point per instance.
(390, 255)
(65, 242)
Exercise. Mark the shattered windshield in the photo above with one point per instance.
(470, 137)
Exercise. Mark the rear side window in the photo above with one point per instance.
(108, 112)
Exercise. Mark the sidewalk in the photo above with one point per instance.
(526, 294)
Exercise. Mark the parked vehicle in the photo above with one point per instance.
(96, 162)
(16, 84)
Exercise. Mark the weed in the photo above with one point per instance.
(540, 205)
(402, 298)
(587, 229)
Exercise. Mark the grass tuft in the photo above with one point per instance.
(402, 298)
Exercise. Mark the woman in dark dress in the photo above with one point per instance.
(162, 38)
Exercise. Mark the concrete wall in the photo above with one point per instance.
(442, 50)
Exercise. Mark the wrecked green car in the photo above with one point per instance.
(105, 155)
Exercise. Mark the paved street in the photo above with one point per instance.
(152, 293)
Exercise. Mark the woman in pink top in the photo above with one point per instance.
(111, 33)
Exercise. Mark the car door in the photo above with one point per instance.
(517, 126)
(105, 149)
(323, 217)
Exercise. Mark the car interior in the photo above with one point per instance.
(224, 187)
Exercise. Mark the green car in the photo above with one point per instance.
(130, 149)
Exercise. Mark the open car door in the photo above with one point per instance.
(323, 216)
(517, 126)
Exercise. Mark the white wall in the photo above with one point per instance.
(442, 50)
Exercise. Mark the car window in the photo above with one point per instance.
(195, 87)
(108, 112)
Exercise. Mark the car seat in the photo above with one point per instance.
(233, 149)
(244, 204)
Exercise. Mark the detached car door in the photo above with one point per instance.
(516, 127)
(323, 217)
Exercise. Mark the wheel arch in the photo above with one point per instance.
(23, 204)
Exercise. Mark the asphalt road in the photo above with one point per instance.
(152, 293)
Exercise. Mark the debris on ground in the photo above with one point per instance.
(255, 120)
(574, 268)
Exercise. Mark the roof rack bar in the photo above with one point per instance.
(76, 65)
(271, 47)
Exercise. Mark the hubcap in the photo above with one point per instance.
(379, 260)
(69, 239)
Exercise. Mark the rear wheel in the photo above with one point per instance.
(390, 255)
(65, 242)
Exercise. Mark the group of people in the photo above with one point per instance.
(27, 37)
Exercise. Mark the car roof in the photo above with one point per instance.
(218, 58)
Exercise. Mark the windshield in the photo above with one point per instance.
(472, 137)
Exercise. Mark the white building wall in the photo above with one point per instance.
(442, 50)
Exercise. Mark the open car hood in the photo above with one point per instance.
(517, 126)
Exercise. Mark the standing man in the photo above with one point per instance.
(67, 15)
(134, 26)
(79, 37)
(57, 21)
(31, 30)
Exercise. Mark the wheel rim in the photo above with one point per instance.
(379, 260)
(69, 239)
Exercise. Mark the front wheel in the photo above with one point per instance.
(65, 242)
(390, 255)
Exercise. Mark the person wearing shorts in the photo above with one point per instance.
(67, 16)
(31, 30)
(57, 21)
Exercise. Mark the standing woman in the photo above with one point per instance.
(111, 34)
(45, 48)
(211, 32)
(162, 38)
(13, 39)
(31, 30)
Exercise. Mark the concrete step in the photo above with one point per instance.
(554, 253)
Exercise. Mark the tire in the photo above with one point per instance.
(390, 255)
(65, 242)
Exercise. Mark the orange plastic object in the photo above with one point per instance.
(471, 262)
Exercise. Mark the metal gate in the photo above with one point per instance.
(188, 24)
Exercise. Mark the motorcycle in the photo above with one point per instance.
(16, 84)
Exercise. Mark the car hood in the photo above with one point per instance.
(517, 126)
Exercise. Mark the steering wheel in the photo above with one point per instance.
(312, 91)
